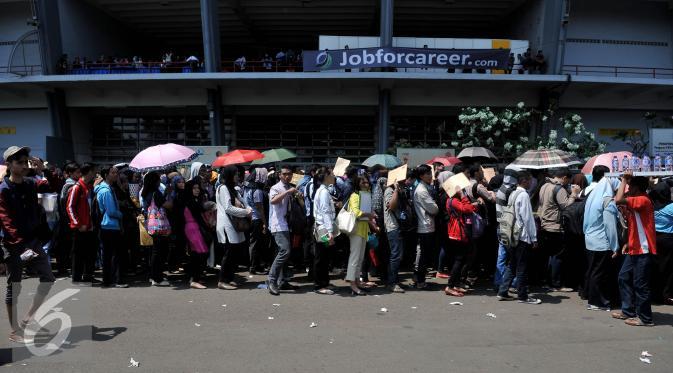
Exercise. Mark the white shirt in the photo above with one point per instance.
(323, 209)
(524, 216)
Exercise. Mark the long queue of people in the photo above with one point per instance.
(517, 229)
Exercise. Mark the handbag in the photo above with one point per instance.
(346, 221)
(157, 221)
(145, 238)
(240, 224)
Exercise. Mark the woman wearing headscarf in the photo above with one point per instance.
(602, 241)
(229, 205)
(194, 229)
(176, 253)
(663, 221)
(257, 199)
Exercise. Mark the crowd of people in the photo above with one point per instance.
(167, 62)
(609, 239)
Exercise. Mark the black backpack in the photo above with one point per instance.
(296, 216)
(405, 213)
(572, 217)
(96, 213)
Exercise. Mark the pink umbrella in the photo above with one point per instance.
(604, 160)
(446, 161)
(161, 157)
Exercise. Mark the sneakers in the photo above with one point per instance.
(396, 288)
(162, 283)
(530, 301)
(122, 286)
(505, 297)
(563, 290)
(591, 307)
(273, 289)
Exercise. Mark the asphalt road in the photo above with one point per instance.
(182, 330)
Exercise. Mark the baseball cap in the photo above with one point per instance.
(13, 150)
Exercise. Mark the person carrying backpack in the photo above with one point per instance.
(78, 208)
(394, 206)
(520, 238)
(458, 206)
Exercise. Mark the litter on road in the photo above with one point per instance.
(646, 354)
(383, 309)
(645, 360)
(133, 363)
(313, 325)
(456, 303)
(270, 317)
(490, 314)
(197, 324)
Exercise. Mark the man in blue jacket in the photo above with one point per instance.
(110, 229)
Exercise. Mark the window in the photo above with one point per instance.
(120, 138)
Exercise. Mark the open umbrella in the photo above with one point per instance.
(477, 152)
(275, 155)
(160, 157)
(604, 160)
(446, 161)
(236, 157)
(385, 160)
(545, 158)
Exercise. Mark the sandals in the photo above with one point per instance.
(637, 322)
(619, 316)
(453, 292)
(368, 285)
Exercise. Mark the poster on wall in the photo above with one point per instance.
(661, 141)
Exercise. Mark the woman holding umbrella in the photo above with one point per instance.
(151, 193)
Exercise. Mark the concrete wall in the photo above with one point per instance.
(527, 23)
(624, 20)
(88, 32)
(595, 120)
(32, 128)
(13, 24)
(82, 132)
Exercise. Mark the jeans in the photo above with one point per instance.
(634, 286)
(15, 271)
(396, 249)
(427, 245)
(517, 264)
(113, 252)
(501, 266)
(277, 272)
(84, 252)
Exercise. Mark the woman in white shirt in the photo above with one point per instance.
(229, 203)
(323, 211)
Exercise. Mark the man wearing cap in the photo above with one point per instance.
(20, 221)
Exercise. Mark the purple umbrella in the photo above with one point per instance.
(160, 157)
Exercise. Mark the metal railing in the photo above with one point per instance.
(153, 67)
(21, 69)
(619, 71)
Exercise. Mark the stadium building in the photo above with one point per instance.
(102, 79)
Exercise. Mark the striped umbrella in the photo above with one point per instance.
(545, 158)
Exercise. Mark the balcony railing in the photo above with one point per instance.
(619, 71)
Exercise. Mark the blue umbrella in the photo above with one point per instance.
(385, 160)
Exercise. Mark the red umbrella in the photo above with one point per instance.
(446, 161)
(237, 157)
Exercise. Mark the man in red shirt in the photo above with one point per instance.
(634, 277)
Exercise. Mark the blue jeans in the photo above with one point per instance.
(517, 263)
(396, 249)
(501, 266)
(634, 286)
(277, 272)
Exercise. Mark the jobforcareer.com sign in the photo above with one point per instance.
(405, 57)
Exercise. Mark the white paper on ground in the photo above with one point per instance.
(646, 354)
(459, 304)
(270, 317)
(276, 305)
(197, 324)
(383, 309)
(313, 325)
(490, 314)
(133, 363)
(646, 360)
